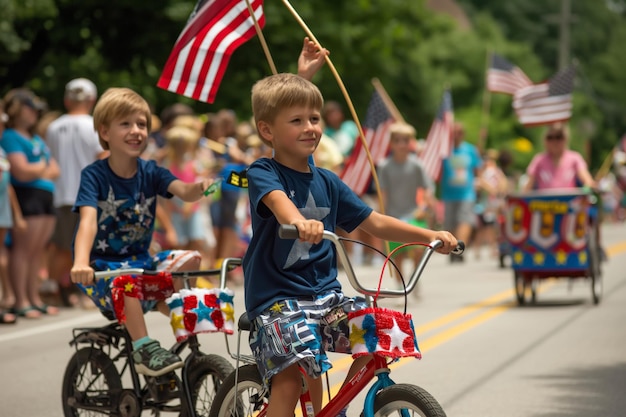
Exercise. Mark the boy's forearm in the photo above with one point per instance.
(83, 243)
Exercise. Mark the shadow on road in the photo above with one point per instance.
(579, 393)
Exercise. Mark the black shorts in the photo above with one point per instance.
(34, 202)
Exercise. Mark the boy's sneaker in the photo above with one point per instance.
(152, 360)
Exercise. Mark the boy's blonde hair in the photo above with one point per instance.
(116, 103)
(399, 129)
(280, 91)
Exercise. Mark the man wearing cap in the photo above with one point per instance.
(74, 143)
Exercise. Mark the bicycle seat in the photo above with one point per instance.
(244, 322)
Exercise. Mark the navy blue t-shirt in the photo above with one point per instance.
(277, 269)
(126, 207)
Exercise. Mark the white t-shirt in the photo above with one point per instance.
(73, 142)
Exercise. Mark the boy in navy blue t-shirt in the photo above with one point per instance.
(117, 205)
(291, 284)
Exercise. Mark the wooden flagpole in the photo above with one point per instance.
(348, 101)
(259, 33)
(484, 123)
(387, 100)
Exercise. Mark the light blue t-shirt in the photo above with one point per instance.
(34, 150)
(458, 173)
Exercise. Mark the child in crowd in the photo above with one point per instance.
(287, 281)
(117, 202)
(402, 178)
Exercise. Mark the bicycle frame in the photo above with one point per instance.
(376, 367)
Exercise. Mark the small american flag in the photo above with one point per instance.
(357, 172)
(200, 56)
(547, 102)
(439, 140)
(504, 77)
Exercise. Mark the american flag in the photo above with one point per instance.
(200, 55)
(548, 102)
(504, 77)
(439, 140)
(357, 172)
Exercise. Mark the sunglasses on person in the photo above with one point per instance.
(555, 136)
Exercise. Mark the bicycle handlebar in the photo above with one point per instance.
(227, 265)
(291, 232)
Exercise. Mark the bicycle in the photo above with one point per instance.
(93, 380)
(243, 394)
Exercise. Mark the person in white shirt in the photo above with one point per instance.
(73, 142)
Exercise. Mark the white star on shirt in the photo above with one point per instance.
(300, 250)
(110, 206)
(102, 245)
(142, 208)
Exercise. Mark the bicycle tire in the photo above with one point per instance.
(207, 373)
(251, 395)
(411, 398)
(91, 380)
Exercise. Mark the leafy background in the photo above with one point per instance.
(416, 48)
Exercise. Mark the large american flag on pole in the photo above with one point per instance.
(357, 172)
(548, 102)
(200, 56)
(504, 77)
(439, 139)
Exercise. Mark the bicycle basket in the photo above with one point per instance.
(200, 310)
(383, 332)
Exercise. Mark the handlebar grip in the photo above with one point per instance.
(460, 248)
(288, 231)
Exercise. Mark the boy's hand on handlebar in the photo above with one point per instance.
(82, 274)
(310, 231)
(448, 240)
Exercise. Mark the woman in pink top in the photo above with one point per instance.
(558, 166)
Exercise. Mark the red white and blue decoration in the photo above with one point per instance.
(201, 310)
(548, 231)
(382, 332)
(144, 287)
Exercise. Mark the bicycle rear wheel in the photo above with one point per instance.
(251, 395)
(206, 375)
(407, 401)
(91, 385)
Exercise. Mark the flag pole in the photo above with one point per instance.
(348, 101)
(484, 123)
(259, 33)
(387, 100)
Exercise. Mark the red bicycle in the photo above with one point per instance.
(243, 394)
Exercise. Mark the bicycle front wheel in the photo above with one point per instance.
(91, 385)
(406, 400)
(206, 375)
(250, 394)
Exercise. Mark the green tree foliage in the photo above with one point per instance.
(415, 52)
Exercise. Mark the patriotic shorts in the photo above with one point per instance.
(302, 331)
(100, 291)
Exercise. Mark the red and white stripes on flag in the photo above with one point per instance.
(547, 102)
(439, 140)
(200, 56)
(357, 171)
(504, 77)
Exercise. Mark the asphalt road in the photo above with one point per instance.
(482, 354)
